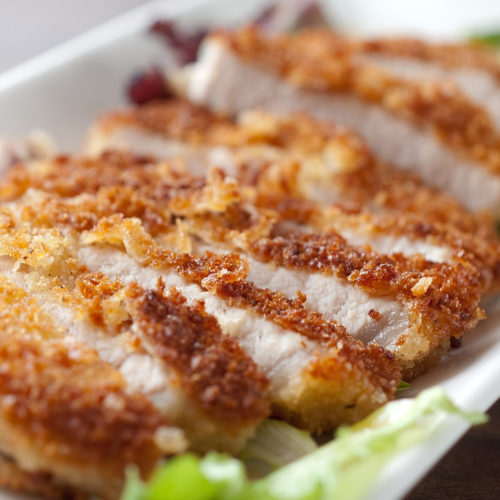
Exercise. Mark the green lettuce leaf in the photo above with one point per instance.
(403, 386)
(343, 469)
(275, 444)
(492, 38)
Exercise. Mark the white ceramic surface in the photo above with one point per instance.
(64, 89)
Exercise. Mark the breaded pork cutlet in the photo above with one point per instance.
(150, 336)
(127, 328)
(112, 221)
(64, 413)
(133, 220)
(318, 175)
(428, 127)
(335, 164)
(474, 67)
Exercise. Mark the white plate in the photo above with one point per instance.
(63, 90)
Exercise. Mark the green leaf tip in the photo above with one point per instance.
(403, 386)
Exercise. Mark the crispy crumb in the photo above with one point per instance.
(422, 285)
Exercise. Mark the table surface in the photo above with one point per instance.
(470, 470)
(27, 28)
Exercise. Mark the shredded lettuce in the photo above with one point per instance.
(189, 478)
(275, 444)
(330, 472)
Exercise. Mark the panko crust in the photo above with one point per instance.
(447, 307)
(222, 377)
(287, 184)
(54, 410)
(232, 390)
(362, 179)
(17, 480)
(450, 55)
(317, 59)
(183, 211)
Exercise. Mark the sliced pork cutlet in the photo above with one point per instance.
(174, 354)
(319, 376)
(428, 127)
(65, 415)
(474, 67)
(294, 158)
(333, 164)
(408, 305)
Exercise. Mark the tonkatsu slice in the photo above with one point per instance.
(430, 127)
(319, 175)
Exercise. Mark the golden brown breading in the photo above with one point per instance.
(304, 151)
(231, 396)
(361, 378)
(13, 478)
(451, 55)
(226, 382)
(480, 248)
(358, 367)
(441, 294)
(447, 307)
(319, 60)
(56, 411)
(360, 177)
(225, 276)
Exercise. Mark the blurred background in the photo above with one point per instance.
(30, 27)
